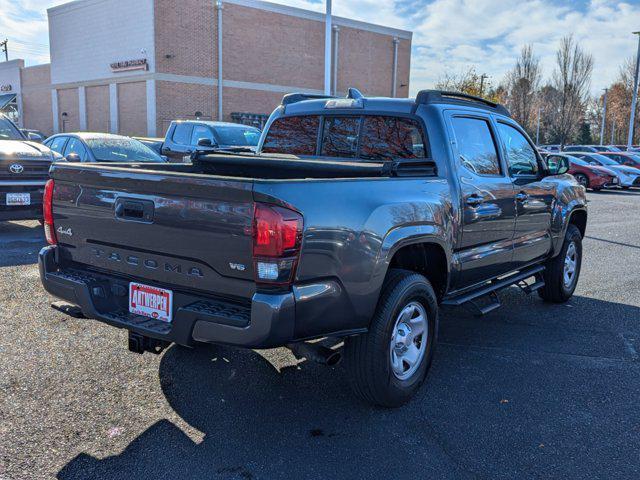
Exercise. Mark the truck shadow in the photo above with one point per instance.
(303, 422)
(20, 242)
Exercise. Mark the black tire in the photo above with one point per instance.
(368, 356)
(582, 179)
(556, 290)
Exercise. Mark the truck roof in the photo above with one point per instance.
(301, 103)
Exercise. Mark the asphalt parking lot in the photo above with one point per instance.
(529, 391)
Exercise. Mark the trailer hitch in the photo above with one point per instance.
(140, 344)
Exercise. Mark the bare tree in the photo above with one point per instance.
(572, 79)
(522, 83)
(471, 83)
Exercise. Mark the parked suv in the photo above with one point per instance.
(24, 169)
(358, 218)
(183, 136)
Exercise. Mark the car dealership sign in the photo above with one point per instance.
(128, 65)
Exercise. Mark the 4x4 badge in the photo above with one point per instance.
(65, 231)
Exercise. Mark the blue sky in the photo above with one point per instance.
(449, 35)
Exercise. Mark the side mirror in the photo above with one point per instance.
(205, 142)
(558, 165)
(73, 157)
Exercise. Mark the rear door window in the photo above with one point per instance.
(182, 133)
(476, 148)
(340, 137)
(293, 135)
(391, 137)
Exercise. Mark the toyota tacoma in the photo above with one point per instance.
(356, 220)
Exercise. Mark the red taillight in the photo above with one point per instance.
(277, 234)
(47, 210)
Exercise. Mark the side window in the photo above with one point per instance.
(201, 131)
(182, 133)
(75, 146)
(57, 143)
(391, 137)
(293, 135)
(476, 147)
(340, 137)
(521, 157)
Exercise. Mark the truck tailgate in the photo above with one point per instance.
(173, 229)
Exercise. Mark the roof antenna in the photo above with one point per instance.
(354, 93)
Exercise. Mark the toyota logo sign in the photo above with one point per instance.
(16, 168)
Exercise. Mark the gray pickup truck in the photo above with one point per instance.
(356, 220)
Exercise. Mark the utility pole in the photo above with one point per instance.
(327, 50)
(634, 99)
(5, 49)
(604, 115)
(482, 77)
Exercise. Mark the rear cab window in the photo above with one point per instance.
(363, 137)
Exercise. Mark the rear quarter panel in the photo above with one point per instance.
(352, 227)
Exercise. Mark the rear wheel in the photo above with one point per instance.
(582, 179)
(388, 364)
(562, 272)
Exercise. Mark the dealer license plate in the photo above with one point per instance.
(152, 302)
(18, 199)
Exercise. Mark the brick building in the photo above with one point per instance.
(131, 67)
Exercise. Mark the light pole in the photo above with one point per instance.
(634, 100)
(327, 50)
(538, 130)
(613, 132)
(604, 115)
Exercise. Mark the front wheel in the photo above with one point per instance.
(582, 180)
(562, 272)
(388, 364)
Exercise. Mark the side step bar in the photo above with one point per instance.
(492, 288)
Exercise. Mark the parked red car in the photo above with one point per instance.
(590, 176)
(629, 159)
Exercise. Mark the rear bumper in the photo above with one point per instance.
(268, 321)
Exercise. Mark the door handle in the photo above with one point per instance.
(474, 200)
(522, 197)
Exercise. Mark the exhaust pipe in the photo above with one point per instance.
(315, 352)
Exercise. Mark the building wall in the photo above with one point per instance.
(97, 101)
(36, 98)
(86, 37)
(365, 61)
(132, 108)
(68, 102)
(181, 101)
(249, 101)
(185, 32)
(280, 49)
